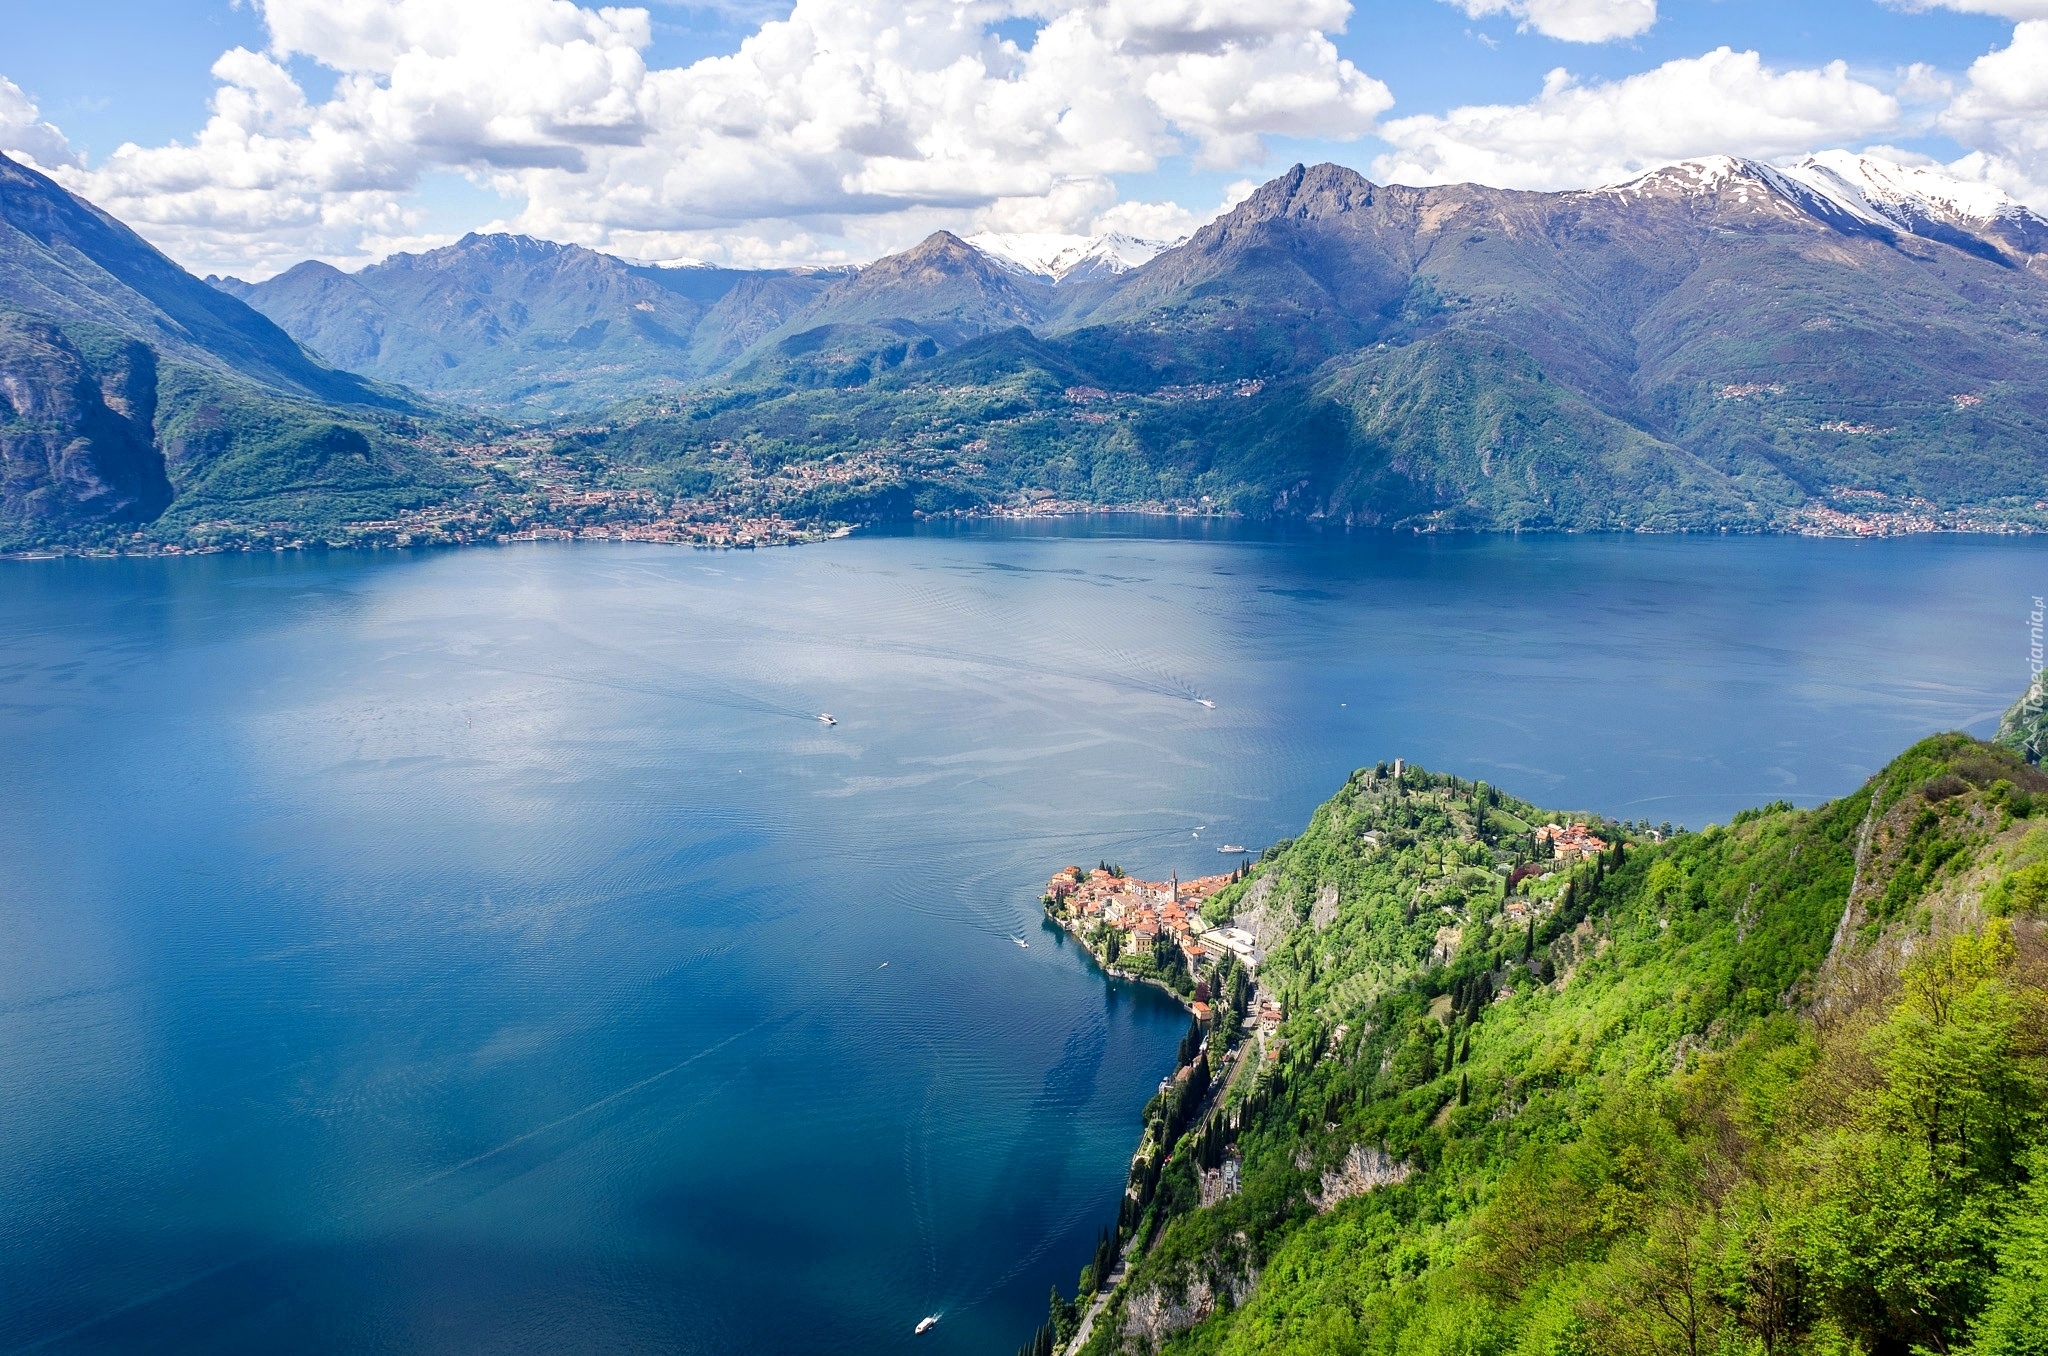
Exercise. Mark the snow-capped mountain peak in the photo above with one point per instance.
(1063, 257)
(1707, 175)
(1862, 192)
(1896, 193)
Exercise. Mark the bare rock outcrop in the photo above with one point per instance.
(1365, 1168)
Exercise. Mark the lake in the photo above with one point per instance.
(490, 950)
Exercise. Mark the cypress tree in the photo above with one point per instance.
(1464, 1091)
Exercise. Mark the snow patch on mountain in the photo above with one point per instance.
(1867, 190)
(1706, 176)
(1060, 257)
(1897, 193)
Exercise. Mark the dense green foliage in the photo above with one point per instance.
(1775, 1087)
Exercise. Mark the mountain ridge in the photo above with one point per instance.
(1070, 258)
(527, 326)
(1713, 345)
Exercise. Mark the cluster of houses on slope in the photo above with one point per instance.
(1570, 842)
(1145, 911)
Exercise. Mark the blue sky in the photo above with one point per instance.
(345, 130)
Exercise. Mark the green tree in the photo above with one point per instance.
(2015, 1321)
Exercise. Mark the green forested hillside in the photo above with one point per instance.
(1779, 1086)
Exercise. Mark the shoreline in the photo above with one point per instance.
(1110, 970)
(772, 531)
(1234, 1027)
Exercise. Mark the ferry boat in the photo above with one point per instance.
(925, 1325)
(826, 719)
(1231, 847)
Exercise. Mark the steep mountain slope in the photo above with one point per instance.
(64, 259)
(1775, 1087)
(1920, 201)
(943, 285)
(506, 322)
(135, 394)
(77, 438)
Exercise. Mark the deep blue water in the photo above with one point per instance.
(485, 951)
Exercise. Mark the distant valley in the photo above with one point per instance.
(1843, 345)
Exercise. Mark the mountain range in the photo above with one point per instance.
(536, 330)
(1720, 343)
(529, 327)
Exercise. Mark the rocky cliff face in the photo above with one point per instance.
(77, 438)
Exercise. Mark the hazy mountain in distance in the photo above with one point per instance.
(902, 309)
(1070, 258)
(526, 327)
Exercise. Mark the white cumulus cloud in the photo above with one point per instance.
(2002, 114)
(1571, 20)
(23, 133)
(846, 126)
(1575, 134)
(2003, 9)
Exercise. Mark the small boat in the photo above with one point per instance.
(1206, 702)
(1021, 942)
(925, 1325)
(826, 719)
(1231, 847)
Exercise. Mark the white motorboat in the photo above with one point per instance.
(925, 1325)
(826, 719)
